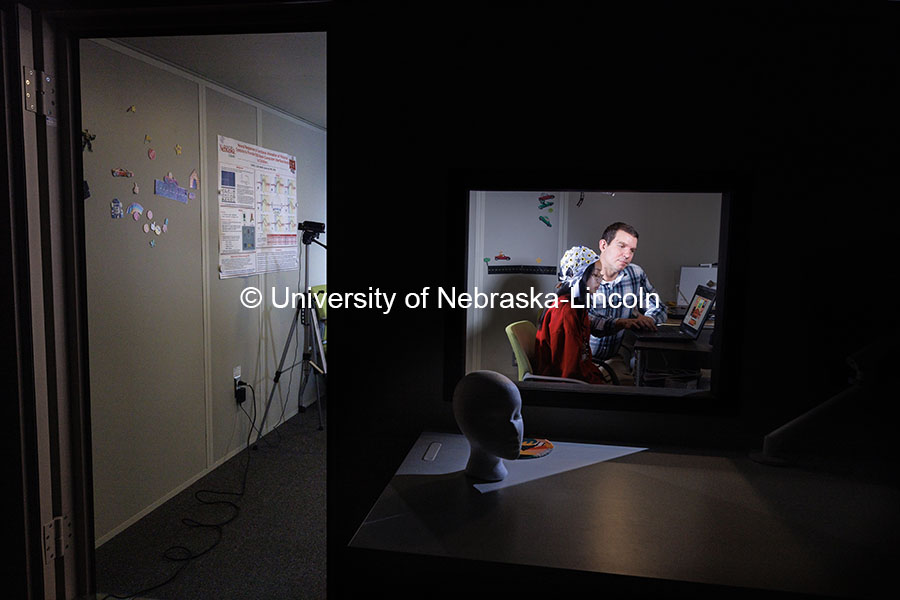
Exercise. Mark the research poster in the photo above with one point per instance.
(257, 209)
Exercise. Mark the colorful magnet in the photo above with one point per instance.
(156, 229)
(131, 109)
(115, 209)
(545, 197)
(135, 189)
(538, 261)
(153, 243)
(170, 190)
(191, 195)
(146, 227)
(169, 178)
(149, 215)
(502, 256)
(137, 216)
(545, 221)
(544, 205)
(151, 153)
(134, 208)
(193, 180)
(486, 260)
(147, 139)
(177, 148)
(121, 173)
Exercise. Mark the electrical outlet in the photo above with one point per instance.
(240, 393)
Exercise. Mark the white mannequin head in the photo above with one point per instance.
(488, 410)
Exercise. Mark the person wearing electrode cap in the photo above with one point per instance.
(617, 287)
(562, 346)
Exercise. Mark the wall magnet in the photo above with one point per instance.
(135, 209)
(153, 243)
(193, 180)
(115, 209)
(135, 189)
(121, 173)
(86, 138)
(177, 148)
(502, 256)
(131, 109)
(151, 153)
(149, 215)
(146, 227)
(545, 221)
(147, 139)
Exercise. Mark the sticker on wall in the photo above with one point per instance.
(135, 189)
(115, 209)
(153, 243)
(545, 221)
(147, 138)
(149, 215)
(170, 190)
(134, 209)
(193, 180)
(151, 153)
(86, 138)
(178, 149)
(169, 178)
(121, 173)
(146, 228)
(502, 256)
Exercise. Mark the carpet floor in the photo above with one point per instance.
(273, 548)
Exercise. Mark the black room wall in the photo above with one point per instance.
(794, 104)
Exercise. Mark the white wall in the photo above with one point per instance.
(164, 331)
(674, 230)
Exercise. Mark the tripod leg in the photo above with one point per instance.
(319, 401)
(278, 372)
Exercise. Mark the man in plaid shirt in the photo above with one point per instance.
(614, 279)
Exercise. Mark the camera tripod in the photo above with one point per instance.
(312, 338)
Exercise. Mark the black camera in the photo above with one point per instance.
(312, 227)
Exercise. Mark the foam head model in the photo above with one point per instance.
(488, 410)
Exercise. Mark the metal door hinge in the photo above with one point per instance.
(57, 537)
(40, 92)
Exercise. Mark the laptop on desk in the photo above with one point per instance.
(691, 325)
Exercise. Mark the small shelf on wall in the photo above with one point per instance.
(527, 269)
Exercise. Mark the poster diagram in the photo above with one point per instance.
(257, 210)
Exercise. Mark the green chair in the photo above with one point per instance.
(319, 292)
(521, 336)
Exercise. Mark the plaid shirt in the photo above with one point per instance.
(605, 340)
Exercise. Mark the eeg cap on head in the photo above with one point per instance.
(572, 266)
